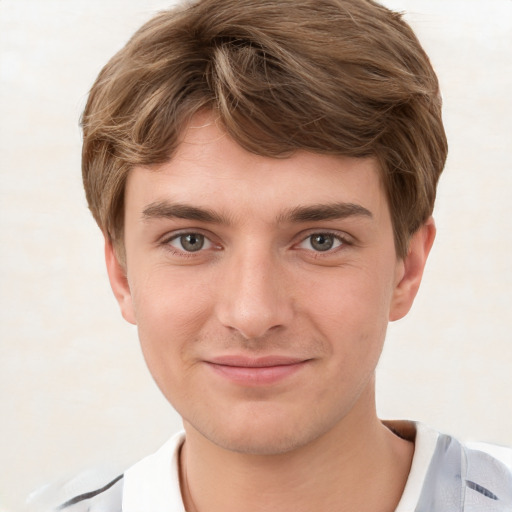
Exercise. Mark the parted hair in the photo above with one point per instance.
(338, 77)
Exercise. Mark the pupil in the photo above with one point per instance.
(322, 242)
(192, 242)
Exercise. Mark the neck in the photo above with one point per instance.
(357, 465)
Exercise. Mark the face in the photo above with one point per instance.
(261, 288)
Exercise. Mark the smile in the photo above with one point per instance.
(256, 371)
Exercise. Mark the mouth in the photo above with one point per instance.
(259, 371)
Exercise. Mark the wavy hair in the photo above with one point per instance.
(339, 77)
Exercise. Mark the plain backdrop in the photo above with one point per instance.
(74, 391)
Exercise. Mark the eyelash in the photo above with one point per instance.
(166, 242)
(343, 241)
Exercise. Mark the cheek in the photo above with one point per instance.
(349, 296)
(170, 311)
(350, 309)
(163, 298)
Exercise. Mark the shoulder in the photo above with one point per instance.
(90, 491)
(449, 476)
(107, 498)
(150, 484)
(487, 475)
(474, 478)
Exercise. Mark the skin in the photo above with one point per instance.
(262, 286)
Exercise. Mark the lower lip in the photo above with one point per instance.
(256, 376)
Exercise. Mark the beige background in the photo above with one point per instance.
(74, 391)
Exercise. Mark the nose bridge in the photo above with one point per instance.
(253, 299)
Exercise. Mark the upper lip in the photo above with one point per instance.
(255, 362)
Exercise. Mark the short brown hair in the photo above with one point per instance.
(341, 77)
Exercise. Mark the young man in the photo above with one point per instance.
(264, 173)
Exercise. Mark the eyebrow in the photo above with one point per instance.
(319, 212)
(312, 213)
(166, 210)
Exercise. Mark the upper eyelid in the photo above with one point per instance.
(341, 235)
(172, 235)
(174, 238)
(298, 238)
(165, 242)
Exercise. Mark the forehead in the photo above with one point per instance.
(209, 169)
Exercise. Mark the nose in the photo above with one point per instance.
(254, 297)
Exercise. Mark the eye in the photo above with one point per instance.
(321, 242)
(190, 242)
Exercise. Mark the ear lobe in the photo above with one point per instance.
(119, 282)
(413, 266)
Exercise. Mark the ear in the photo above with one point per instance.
(119, 282)
(412, 270)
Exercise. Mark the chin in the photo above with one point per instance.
(260, 444)
(261, 435)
